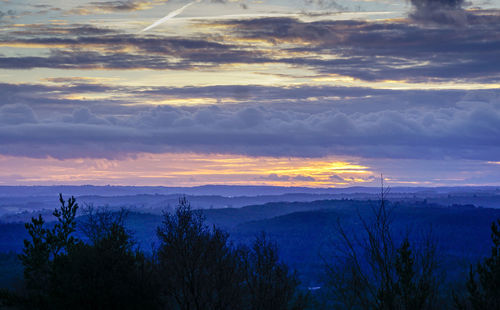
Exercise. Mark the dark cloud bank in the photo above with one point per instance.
(439, 11)
(466, 129)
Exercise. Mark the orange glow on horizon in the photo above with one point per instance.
(185, 169)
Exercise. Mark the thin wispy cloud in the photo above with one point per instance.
(170, 16)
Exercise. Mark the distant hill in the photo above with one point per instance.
(224, 190)
(306, 237)
(19, 203)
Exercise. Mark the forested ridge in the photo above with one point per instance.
(95, 262)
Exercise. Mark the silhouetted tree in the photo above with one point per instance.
(107, 273)
(270, 284)
(415, 289)
(483, 283)
(375, 272)
(63, 272)
(195, 267)
(46, 246)
(198, 267)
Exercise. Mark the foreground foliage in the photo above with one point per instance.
(64, 272)
(201, 269)
(195, 267)
(93, 262)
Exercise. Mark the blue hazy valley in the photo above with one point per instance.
(302, 221)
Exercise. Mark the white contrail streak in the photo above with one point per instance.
(170, 15)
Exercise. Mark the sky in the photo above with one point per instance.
(317, 93)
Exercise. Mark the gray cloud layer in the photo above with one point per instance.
(467, 126)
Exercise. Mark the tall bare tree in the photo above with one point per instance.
(372, 270)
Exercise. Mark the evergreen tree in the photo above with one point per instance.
(107, 273)
(414, 289)
(483, 283)
(46, 246)
(270, 284)
(63, 272)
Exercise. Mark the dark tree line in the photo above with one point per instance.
(194, 267)
(200, 269)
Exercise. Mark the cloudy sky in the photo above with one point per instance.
(278, 92)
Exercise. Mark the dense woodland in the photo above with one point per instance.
(94, 262)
